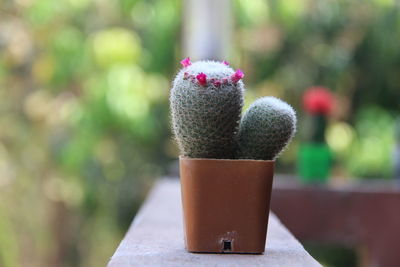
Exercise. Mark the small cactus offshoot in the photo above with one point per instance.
(206, 103)
(266, 129)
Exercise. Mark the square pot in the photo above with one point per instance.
(225, 204)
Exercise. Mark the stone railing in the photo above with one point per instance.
(155, 238)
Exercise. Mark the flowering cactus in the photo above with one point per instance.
(318, 101)
(206, 102)
(314, 157)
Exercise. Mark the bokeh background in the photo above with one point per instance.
(84, 123)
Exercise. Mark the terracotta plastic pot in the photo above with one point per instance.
(225, 204)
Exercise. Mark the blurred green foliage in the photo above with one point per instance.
(84, 105)
(85, 124)
(347, 46)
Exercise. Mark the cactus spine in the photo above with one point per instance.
(206, 102)
(266, 129)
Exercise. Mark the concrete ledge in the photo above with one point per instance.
(155, 238)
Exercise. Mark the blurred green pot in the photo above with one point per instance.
(314, 163)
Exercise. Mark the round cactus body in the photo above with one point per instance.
(266, 129)
(206, 102)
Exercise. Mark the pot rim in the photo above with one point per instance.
(226, 160)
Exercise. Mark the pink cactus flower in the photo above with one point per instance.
(224, 80)
(185, 75)
(217, 83)
(202, 79)
(225, 63)
(237, 76)
(186, 62)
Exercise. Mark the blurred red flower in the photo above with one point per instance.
(318, 100)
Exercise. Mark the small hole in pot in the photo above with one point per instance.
(227, 245)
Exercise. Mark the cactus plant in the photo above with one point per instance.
(314, 155)
(318, 102)
(206, 102)
(266, 129)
